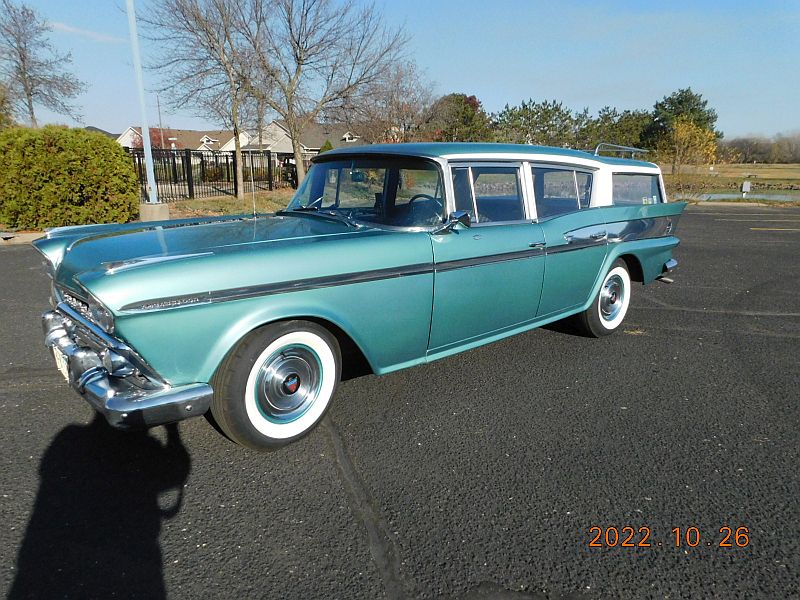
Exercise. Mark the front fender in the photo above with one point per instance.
(389, 320)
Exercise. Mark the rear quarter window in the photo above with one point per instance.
(636, 189)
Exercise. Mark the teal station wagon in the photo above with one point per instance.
(393, 254)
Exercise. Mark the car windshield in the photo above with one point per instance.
(397, 192)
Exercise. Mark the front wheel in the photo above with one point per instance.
(610, 306)
(276, 385)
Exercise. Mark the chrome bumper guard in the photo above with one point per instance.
(668, 268)
(114, 379)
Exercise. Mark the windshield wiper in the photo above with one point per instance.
(346, 218)
(315, 210)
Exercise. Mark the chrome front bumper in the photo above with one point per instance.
(113, 378)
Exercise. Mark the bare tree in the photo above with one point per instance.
(30, 66)
(200, 63)
(314, 55)
(391, 109)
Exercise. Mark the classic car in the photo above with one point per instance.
(394, 255)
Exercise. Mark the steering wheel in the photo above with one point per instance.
(425, 197)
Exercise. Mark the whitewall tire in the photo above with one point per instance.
(276, 385)
(610, 306)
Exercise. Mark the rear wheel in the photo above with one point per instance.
(610, 306)
(276, 385)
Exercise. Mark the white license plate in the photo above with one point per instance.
(61, 363)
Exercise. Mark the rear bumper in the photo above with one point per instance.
(133, 396)
(669, 266)
(666, 269)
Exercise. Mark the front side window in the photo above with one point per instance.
(497, 193)
(400, 192)
(636, 189)
(462, 190)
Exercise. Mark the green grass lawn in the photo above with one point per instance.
(697, 180)
(789, 172)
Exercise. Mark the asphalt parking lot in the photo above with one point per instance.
(478, 476)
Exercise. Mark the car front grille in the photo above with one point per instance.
(80, 305)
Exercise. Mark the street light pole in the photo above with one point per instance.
(152, 190)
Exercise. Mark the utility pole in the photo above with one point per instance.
(160, 126)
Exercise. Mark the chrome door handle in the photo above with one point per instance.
(599, 235)
(536, 245)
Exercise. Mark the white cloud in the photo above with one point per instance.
(92, 35)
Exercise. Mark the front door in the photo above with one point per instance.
(488, 278)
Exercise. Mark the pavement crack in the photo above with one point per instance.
(715, 311)
(381, 546)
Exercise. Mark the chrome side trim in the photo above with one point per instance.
(572, 246)
(269, 289)
(583, 237)
(485, 260)
(313, 283)
(641, 229)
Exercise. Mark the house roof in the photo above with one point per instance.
(191, 138)
(316, 134)
(103, 131)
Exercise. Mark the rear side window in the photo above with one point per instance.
(584, 181)
(560, 191)
(636, 189)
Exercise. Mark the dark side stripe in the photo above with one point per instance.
(623, 231)
(298, 285)
(314, 283)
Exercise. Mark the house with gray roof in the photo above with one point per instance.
(275, 137)
(218, 139)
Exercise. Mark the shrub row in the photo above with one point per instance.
(57, 176)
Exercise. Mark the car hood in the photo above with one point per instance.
(116, 251)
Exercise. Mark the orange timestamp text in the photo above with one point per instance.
(629, 536)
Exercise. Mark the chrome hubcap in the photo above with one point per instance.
(612, 298)
(288, 383)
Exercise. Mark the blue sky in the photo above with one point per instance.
(742, 56)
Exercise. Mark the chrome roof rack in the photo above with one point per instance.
(617, 148)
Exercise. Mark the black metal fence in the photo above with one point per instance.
(189, 174)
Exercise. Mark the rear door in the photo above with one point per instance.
(488, 277)
(575, 236)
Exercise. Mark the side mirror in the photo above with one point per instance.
(459, 217)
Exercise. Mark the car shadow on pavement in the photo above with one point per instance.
(94, 531)
(566, 326)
